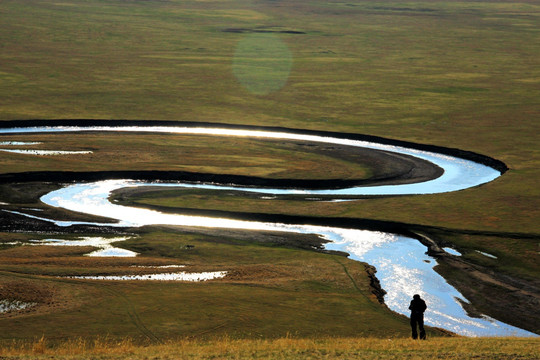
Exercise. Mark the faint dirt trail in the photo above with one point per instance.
(130, 309)
(132, 313)
(371, 303)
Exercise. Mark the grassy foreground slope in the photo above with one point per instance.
(287, 348)
(271, 290)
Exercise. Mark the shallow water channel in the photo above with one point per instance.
(403, 267)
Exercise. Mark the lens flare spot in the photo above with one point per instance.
(262, 63)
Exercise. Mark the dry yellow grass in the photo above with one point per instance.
(282, 348)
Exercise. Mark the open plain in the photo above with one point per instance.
(461, 75)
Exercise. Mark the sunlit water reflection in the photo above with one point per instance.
(104, 245)
(45, 152)
(403, 268)
(179, 276)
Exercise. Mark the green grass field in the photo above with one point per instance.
(270, 291)
(237, 156)
(287, 348)
(461, 74)
(455, 74)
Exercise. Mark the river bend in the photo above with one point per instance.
(403, 267)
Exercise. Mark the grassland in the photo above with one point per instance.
(450, 73)
(454, 74)
(271, 290)
(286, 348)
(237, 156)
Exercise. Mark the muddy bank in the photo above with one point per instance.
(231, 236)
(507, 298)
(13, 222)
(503, 296)
(123, 197)
(387, 169)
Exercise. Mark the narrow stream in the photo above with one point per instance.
(403, 268)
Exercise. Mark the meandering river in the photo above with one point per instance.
(403, 267)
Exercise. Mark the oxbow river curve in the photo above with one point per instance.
(403, 267)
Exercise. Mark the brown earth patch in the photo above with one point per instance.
(46, 296)
(27, 292)
(507, 298)
(258, 273)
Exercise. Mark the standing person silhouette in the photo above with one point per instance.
(417, 307)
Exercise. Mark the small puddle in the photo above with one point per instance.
(105, 249)
(486, 254)
(18, 143)
(36, 152)
(181, 276)
(14, 305)
(158, 266)
(452, 251)
(44, 152)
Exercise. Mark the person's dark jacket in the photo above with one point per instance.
(417, 307)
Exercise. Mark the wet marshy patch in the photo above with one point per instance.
(491, 256)
(16, 296)
(44, 152)
(39, 152)
(7, 305)
(104, 245)
(180, 276)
